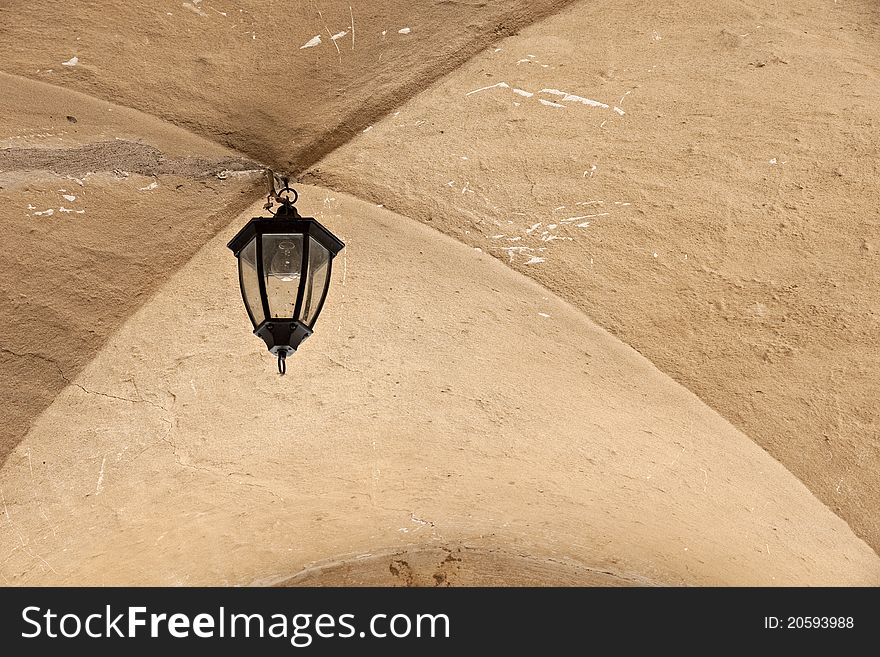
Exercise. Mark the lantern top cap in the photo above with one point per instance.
(285, 220)
(292, 223)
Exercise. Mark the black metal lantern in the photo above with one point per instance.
(284, 264)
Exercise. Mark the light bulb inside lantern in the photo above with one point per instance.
(286, 261)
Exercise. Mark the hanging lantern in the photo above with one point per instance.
(284, 265)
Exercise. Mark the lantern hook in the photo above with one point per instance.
(276, 194)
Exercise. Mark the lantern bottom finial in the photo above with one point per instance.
(282, 363)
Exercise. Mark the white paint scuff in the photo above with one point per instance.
(584, 101)
(502, 85)
(404, 30)
(567, 97)
(587, 216)
(564, 97)
(192, 6)
(73, 61)
(311, 43)
(549, 103)
(99, 486)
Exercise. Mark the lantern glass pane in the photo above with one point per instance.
(282, 267)
(316, 285)
(250, 281)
